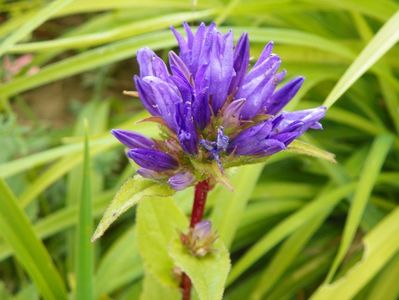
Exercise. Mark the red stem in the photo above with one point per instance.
(201, 191)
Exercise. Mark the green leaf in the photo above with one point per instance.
(31, 23)
(28, 249)
(209, 273)
(132, 191)
(370, 171)
(155, 290)
(285, 256)
(159, 221)
(87, 60)
(121, 262)
(300, 147)
(385, 38)
(381, 244)
(325, 201)
(230, 205)
(386, 286)
(84, 259)
(123, 31)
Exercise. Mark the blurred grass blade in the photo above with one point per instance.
(325, 201)
(96, 113)
(28, 249)
(84, 260)
(114, 34)
(300, 147)
(87, 60)
(19, 165)
(384, 40)
(287, 253)
(386, 286)
(231, 205)
(371, 169)
(380, 245)
(119, 265)
(32, 23)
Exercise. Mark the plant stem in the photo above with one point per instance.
(201, 192)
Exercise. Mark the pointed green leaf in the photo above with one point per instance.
(131, 192)
(380, 245)
(371, 169)
(84, 259)
(230, 205)
(300, 147)
(18, 232)
(158, 222)
(155, 290)
(209, 273)
(384, 40)
(31, 24)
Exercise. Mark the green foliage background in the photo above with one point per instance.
(296, 227)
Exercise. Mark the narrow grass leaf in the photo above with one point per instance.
(121, 32)
(386, 286)
(371, 169)
(285, 256)
(380, 246)
(384, 40)
(300, 147)
(31, 24)
(324, 202)
(28, 249)
(88, 60)
(84, 259)
(231, 205)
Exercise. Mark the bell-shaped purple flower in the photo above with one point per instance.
(214, 106)
(165, 98)
(282, 96)
(154, 160)
(241, 62)
(181, 180)
(132, 139)
(151, 65)
(290, 125)
(258, 86)
(255, 141)
(187, 133)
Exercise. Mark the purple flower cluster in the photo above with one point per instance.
(214, 108)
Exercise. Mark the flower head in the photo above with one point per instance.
(215, 108)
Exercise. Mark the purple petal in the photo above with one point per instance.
(283, 95)
(178, 67)
(266, 52)
(181, 180)
(202, 230)
(231, 115)
(150, 174)
(258, 86)
(187, 133)
(154, 160)
(201, 108)
(132, 139)
(151, 65)
(249, 140)
(294, 124)
(241, 61)
(166, 97)
(146, 96)
(220, 69)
